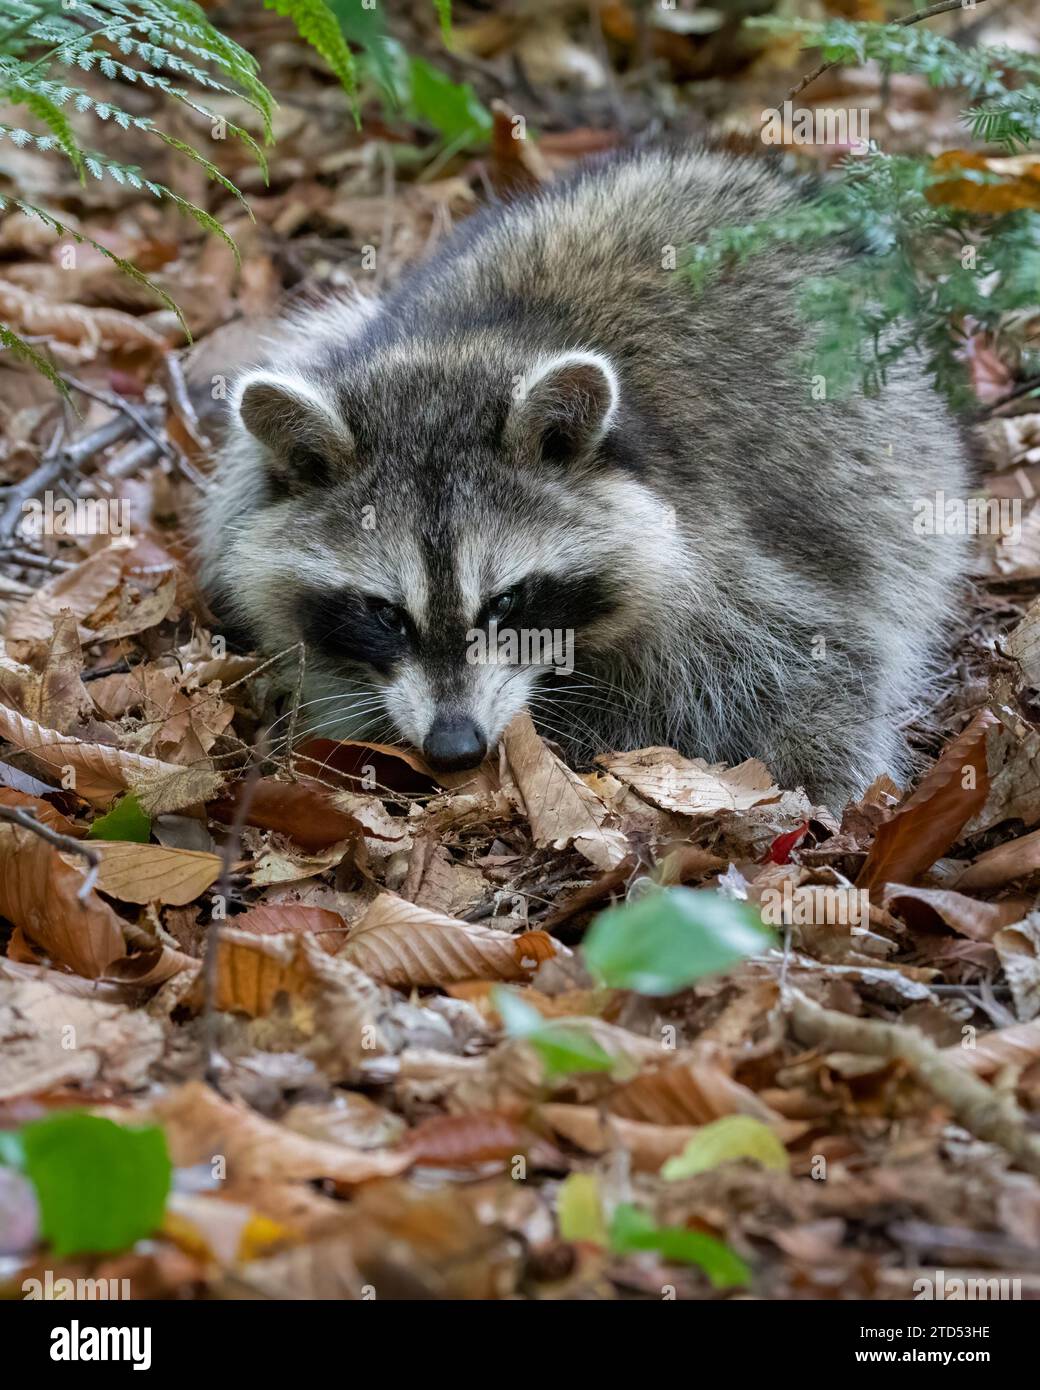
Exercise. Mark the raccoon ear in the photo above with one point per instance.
(567, 406)
(306, 439)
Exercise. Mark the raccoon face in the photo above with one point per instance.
(448, 540)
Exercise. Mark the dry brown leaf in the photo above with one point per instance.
(691, 786)
(142, 873)
(928, 823)
(200, 1124)
(1007, 1047)
(41, 810)
(561, 808)
(1016, 185)
(969, 916)
(51, 1038)
(102, 772)
(39, 893)
(74, 323)
(403, 945)
(589, 1128)
(1003, 864)
(689, 1088)
(134, 612)
(79, 590)
(1018, 947)
(303, 810)
(60, 699)
(328, 928)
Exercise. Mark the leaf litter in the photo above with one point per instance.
(539, 1031)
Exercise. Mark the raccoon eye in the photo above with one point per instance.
(500, 607)
(388, 615)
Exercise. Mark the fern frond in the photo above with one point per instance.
(317, 24)
(10, 340)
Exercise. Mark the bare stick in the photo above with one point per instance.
(19, 815)
(211, 957)
(988, 1114)
(942, 8)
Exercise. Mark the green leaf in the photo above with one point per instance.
(125, 821)
(632, 1230)
(722, 1141)
(100, 1186)
(579, 1209)
(384, 57)
(666, 941)
(452, 108)
(563, 1048)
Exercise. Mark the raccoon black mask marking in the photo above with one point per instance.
(543, 473)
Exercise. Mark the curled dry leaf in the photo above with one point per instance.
(199, 1123)
(969, 916)
(39, 892)
(102, 772)
(302, 810)
(691, 786)
(133, 612)
(401, 944)
(79, 590)
(928, 823)
(41, 810)
(141, 873)
(1018, 947)
(561, 808)
(464, 1141)
(1003, 864)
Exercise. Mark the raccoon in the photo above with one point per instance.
(543, 429)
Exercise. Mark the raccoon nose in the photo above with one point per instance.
(453, 744)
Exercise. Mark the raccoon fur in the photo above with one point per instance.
(543, 428)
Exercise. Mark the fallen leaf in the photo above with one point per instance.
(400, 944)
(928, 823)
(139, 873)
(561, 808)
(690, 786)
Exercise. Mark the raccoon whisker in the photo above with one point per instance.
(564, 712)
(312, 730)
(609, 685)
(307, 704)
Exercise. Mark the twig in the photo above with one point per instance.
(986, 1113)
(942, 8)
(48, 472)
(211, 956)
(18, 815)
(180, 399)
(26, 559)
(120, 403)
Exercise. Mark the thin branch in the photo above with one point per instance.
(985, 1112)
(943, 7)
(19, 815)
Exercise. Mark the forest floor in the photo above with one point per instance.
(349, 1099)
